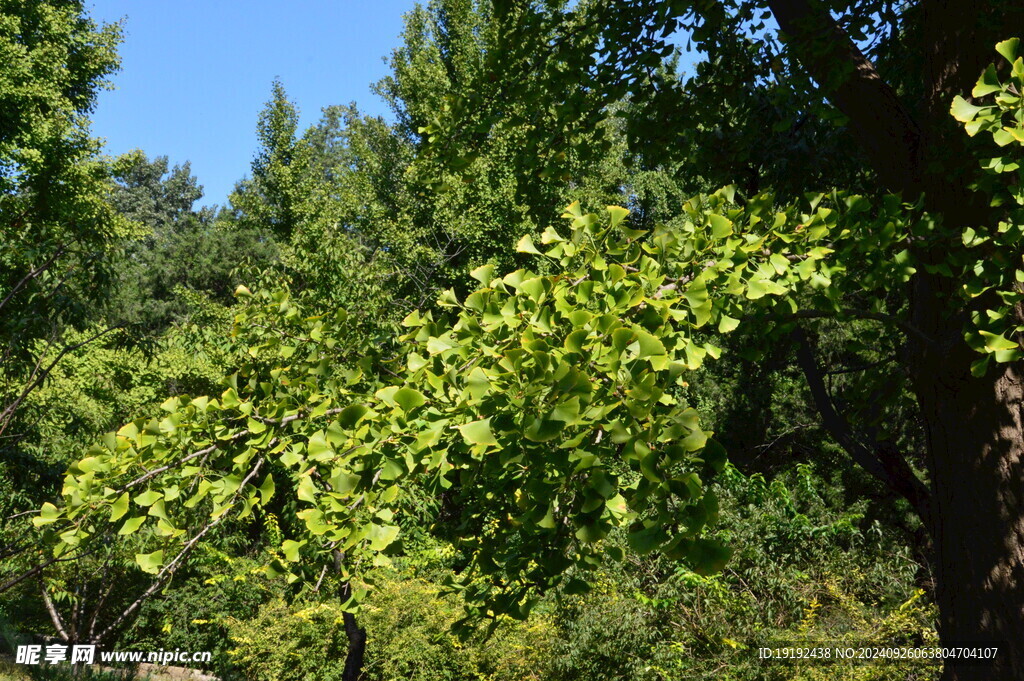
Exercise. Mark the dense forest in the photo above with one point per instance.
(580, 365)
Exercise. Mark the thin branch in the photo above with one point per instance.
(320, 579)
(168, 570)
(32, 275)
(8, 412)
(863, 367)
(32, 572)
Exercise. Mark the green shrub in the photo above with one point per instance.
(290, 643)
(409, 622)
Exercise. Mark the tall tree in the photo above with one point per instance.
(269, 198)
(184, 249)
(58, 231)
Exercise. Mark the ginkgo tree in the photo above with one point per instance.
(550, 405)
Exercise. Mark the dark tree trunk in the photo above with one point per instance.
(974, 426)
(975, 435)
(356, 648)
(974, 430)
(356, 634)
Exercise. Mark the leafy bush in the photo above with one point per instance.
(806, 567)
(409, 623)
(289, 643)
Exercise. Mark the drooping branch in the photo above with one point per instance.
(891, 136)
(880, 460)
(167, 571)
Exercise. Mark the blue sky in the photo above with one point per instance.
(195, 73)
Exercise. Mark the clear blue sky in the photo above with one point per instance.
(195, 73)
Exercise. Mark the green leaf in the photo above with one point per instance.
(148, 498)
(644, 540)
(591, 533)
(409, 398)
(150, 562)
(707, 556)
(727, 323)
(448, 299)
(575, 586)
(290, 549)
(994, 342)
(132, 524)
(267, 489)
(567, 411)
(477, 383)
(157, 510)
(307, 490)
(964, 111)
(436, 346)
(478, 432)
(47, 514)
(351, 414)
(574, 341)
(721, 226)
(72, 537)
(484, 274)
(618, 214)
(988, 83)
(343, 482)
(542, 429)
(1008, 48)
(318, 447)
(696, 295)
(649, 344)
(525, 245)
(381, 536)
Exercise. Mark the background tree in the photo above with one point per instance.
(185, 249)
(59, 233)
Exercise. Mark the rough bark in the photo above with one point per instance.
(975, 434)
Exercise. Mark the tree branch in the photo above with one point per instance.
(168, 570)
(39, 376)
(58, 623)
(881, 461)
(891, 136)
(904, 326)
(32, 275)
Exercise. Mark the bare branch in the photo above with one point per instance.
(32, 275)
(58, 623)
